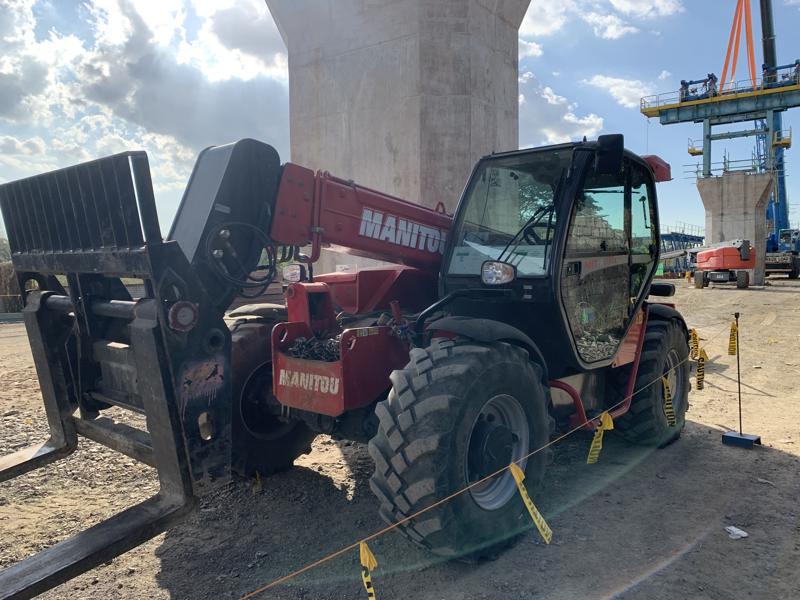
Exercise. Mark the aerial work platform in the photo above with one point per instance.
(728, 106)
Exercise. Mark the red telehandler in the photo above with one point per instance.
(524, 314)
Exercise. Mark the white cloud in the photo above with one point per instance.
(609, 27)
(627, 92)
(125, 84)
(609, 19)
(237, 40)
(551, 97)
(547, 117)
(666, 74)
(545, 18)
(647, 9)
(529, 49)
(11, 145)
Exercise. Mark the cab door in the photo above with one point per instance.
(596, 281)
(644, 229)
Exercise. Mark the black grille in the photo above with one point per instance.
(104, 206)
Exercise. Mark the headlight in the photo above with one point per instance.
(497, 273)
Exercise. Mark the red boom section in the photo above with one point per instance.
(325, 211)
(725, 258)
(320, 210)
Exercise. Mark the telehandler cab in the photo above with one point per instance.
(523, 314)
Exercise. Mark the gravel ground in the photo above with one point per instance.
(639, 524)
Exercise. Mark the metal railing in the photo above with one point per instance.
(726, 165)
(683, 228)
(785, 77)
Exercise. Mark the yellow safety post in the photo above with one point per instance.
(702, 357)
(694, 343)
(669, 409)
(606, 424)
(368, 564)
(538, 519)
(732, 340)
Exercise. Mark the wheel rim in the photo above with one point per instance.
(499, 436)
(676, 378)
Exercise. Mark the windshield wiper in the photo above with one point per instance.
(533, 220)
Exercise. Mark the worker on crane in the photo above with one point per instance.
(797, 72)
(684, 91)
(711, 85)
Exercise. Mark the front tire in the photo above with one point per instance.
(665, 353)
(458, 412)
(262, 443)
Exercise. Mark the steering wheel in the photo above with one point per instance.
(531, 237)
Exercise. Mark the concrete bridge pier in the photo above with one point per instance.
(736, 208)
(401, 95)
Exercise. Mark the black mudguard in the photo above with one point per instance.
(489, 330)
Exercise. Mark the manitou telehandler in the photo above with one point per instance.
(523, 314)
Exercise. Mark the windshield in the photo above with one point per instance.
(509, 213)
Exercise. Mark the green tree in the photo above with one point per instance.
(5, 250)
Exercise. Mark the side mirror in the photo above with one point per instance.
(494, 272)
(610, 149)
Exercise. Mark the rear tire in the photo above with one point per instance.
(665, 353)
(698, 280)
(458, 412)
(742, 280)
(261, 442)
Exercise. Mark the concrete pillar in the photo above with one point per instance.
(401, 95)
(736, 205)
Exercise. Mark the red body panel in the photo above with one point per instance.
(311, 304)
(627, 350)
(323, 210)
(373, 289)
(368, 356)
(361, 375)
(724, 259)
(661, 168)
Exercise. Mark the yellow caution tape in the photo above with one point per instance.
(732, 341)
(694, 343)
(669, 409)
(702, 357)
(368, 564)
(538, 519)
(606, 424)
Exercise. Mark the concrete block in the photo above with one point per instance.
(736, 205)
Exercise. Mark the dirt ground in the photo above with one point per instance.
(639, 524)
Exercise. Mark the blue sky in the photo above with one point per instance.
(204, 72)
(674, 40)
